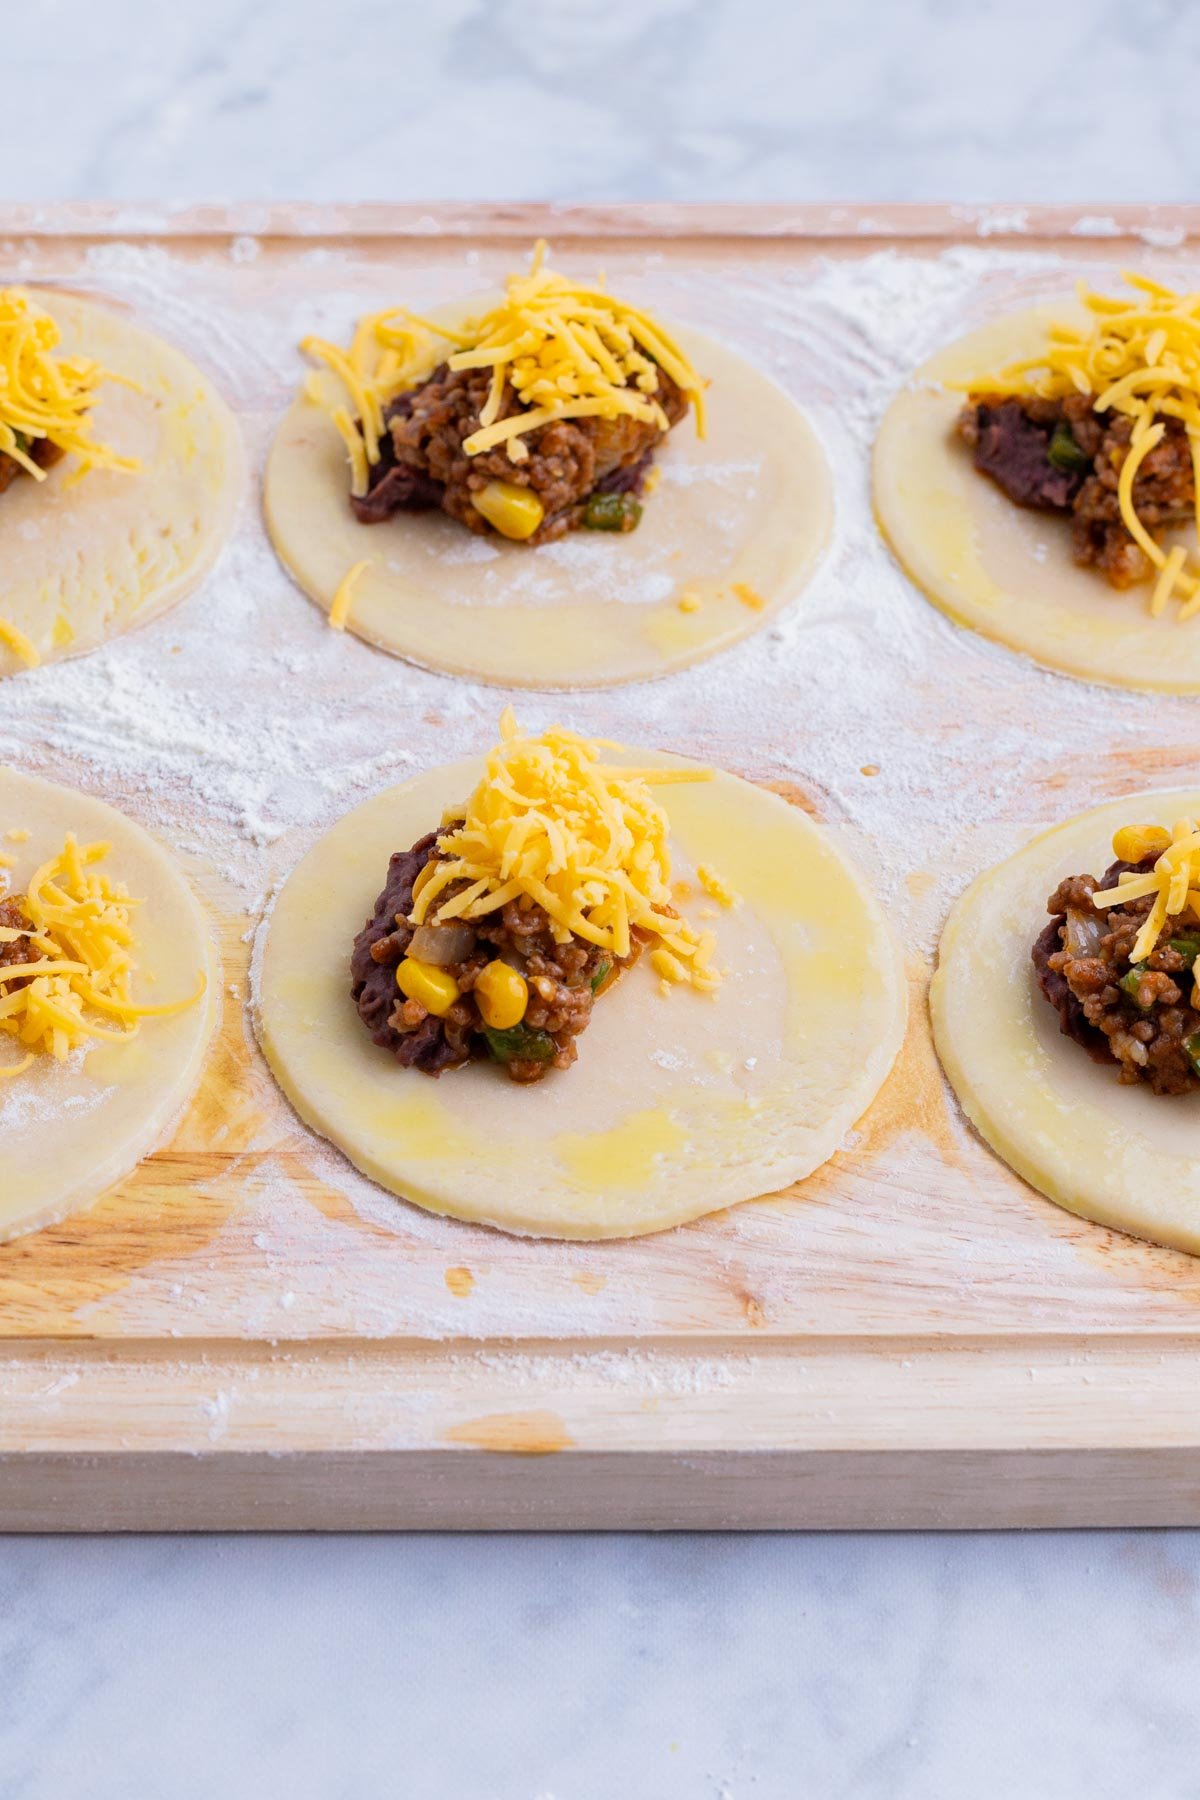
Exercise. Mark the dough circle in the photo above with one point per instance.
(1005, 570)
(677, 1106)
(1122, 1156)
(82, 561)
(70, 1131)
(752, 504)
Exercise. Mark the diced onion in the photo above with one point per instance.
(1083, 934)
(442, 944)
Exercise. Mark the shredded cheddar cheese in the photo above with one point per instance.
(343, 600)
(81, 962)
(555, 348)
(1174, 882)
(1139, 356)
(585, 840)
(44, 395)
(716, 886)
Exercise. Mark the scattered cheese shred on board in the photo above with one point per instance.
(79, 944)
(1140, 356)
(557, 349)
(46, 396)
(587, 841)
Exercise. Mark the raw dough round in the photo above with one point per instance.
(752, 503)
(69, 1131)
(1002, 569)
(678, 1105)
(1120, 1155)
(81, 561)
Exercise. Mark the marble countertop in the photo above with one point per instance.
(760, 1668)
(601, 99)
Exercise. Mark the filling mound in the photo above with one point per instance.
(1063, 456)
(1102, 423)
(46, 398)
(586, 472)
(68, 960)
(1122, 1003)
(494, 935)
(542, 417)
(500, 987)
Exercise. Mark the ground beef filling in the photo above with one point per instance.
(19, 950)
(422, 463)
(1139, 1017)
(44, 454)
(1063, 456)
(563, 979)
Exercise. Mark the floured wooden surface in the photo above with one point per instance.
(239, 727)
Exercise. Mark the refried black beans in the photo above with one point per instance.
(563, 982)
(1138, 1016)
(1063, 456)
(422, 463)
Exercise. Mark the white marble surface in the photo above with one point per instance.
(922, 1668)
(770, 1668)
(598, 99)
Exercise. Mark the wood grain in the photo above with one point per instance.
(911, 1338)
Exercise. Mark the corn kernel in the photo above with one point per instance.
(502, 995)
(428, 985)
(1134, 843)
(516, 512)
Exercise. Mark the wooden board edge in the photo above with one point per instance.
(660, 1491)
(861, 1434)
(1157, 225)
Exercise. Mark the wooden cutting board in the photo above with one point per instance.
(245, 1335)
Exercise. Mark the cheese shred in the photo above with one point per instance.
(79, 931)
(585, 840)
(554, 349)
(45, 396)
(343, 600)
(1174, 882)
(1138, 356)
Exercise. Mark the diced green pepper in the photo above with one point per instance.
(601, 976)
(1065, 453)
(520, 1043)
(1187, 947)
(1130, 983)
(1192, 1046)
(612, 512)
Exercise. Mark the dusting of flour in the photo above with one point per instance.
(239, 727)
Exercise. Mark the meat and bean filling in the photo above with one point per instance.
(43, 452)
(500, 987)
(1138, 1015)
(1062, 456)
(586, 472)
(18, 950)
